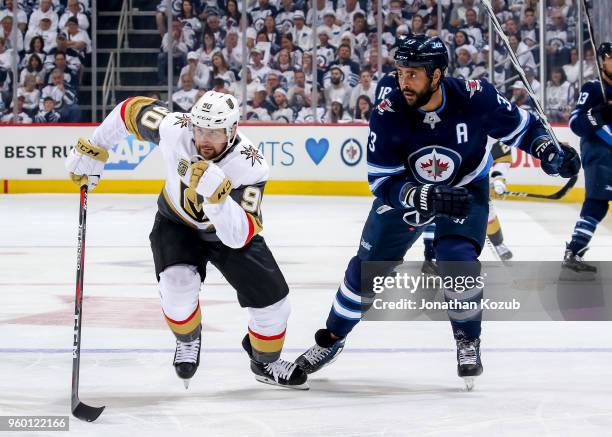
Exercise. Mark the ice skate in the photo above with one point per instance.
(469, 365)
(324, 352)
(187, 359)
(503, 252)
(430, 268)
(574, 268)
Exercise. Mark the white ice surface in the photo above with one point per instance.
(394, 379)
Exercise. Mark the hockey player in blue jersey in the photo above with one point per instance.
(592, 122)
(428, 160)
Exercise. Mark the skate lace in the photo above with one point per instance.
(315, 354)
(467, 354)
(187, 351)
(280, 369)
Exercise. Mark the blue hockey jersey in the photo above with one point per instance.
(447, 146)
(590, 96)
(384, 87)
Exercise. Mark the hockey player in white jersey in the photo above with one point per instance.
(208, 211)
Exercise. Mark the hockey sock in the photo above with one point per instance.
(267, 330)
(494, 231)
(428, 236)
(188, 329)
(457, 258)
(593, 211)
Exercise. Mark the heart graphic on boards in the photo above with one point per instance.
(317, 149)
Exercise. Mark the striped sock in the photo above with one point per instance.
(266, 348)
(188, 329)
(583, 232)
(347, 309)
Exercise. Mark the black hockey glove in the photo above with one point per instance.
(553, 163)
(600, 115)
(438, 200)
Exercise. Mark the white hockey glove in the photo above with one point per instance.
(209, 181)
(85, 162)
(498, 185)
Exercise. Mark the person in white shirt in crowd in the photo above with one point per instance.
(35, 68)
(21, 117)
(237, 91)
(329, 20)
(221, 70)
(374, 46)
(63, 96)
(305, 114)
(231, 52)
(78, 39)
(344, 15)
(22, 17)
(256, 109)
(366, 86)
(284, 114)
(6, 56)
(557, 40)
(359, 31)
(284, 18)
(338, 89)
(307, 69)
(300, 91)
(74, 10)
(61, 64)
(160, 14)
(572, 70)
(473, 28)
(522, 51)
(463, 62)
(363, 109)
(337, 113)
(326, 53)
(590, 65)
(284, 64)
(417, 26)
(182, 43)
(73, 58)
(45, 31)
(185, 98)
(530, 74)
(200, 73)
(520, 96)
(258, 68)
(30, 94)
(457, 17)
(321, 5)
(44, 11)
(6, 32)
(301, 34)
(295, 53)
(208, 49)
(559, 97)
(188, 17)
(47, 114)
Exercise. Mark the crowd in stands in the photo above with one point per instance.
(52, 45)
(206, 42)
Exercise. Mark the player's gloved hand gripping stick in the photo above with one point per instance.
(437, 200)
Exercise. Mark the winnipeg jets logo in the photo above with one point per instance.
(472, 86)
(183, 120)
(383, 106)
(431, 118)
(251, 153)
(434, 164)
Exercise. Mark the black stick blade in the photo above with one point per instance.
(86, 413)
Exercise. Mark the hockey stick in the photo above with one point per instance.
(521, 73)
(592, 38)
(79, 409)
(554, 196)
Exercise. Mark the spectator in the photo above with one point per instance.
(256, 109)
(74, 10)
(30, 94)
(70, 78)
(47, 114)
(185, 98)
(457, 17)
(37, 46)
(219, 86)
(395, 16)
(557, 41)
(301, 34)
(160, 15)
(338, 89)
(349, 68)
(299, 92)
(346, 14)
(34, 68)
(182, 43)
(522, 52)
(260, 12)
(21, 117)
(22, 17)
(232, 53)
(208, 49)
(6, 32)
(295, 53)
(374, 46)
(572, 70)
(45, 31)
(271, 32)
(305, 114)
(272, 83)
(535, 85)
(73, 59)
(44, 11)
(359, 31)
(365, 87)
(188, 17)
(213, 25)
(329, 20)
(200, 73)
(336, 113)
(283, 113)
(363, 109)
(284, 18)
(511, 28)
(259, 70)
(559, 96)
(231, 19)
(590, 65)
(6, 56)
(284, 64)
(221, 70)
(325, 51)
(529, 25)
(520, 97)
(464, 65)
(237, 91)
(78, 39)
(473, 28)
(319, 6)
(63, 96)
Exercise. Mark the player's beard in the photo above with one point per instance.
(607, 73)
(422, 97)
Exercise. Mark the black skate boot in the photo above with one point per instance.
(468, 361)
(574, 268)
(430, 268)
(280, 372)
(324, 352)
(187, 359)
(503, 252)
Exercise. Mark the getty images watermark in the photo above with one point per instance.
(526, 291)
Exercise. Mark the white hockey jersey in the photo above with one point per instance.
(234, 221)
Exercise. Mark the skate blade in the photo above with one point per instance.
(469, 382)
(186, 383)
(568, 274)
(269, 381)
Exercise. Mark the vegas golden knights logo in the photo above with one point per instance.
(192, 204)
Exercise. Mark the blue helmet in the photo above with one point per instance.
(422, 51)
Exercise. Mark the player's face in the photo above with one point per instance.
(415, 84)
(606, 66)
(209, 142)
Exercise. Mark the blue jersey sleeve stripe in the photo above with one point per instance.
(525, 116)
(377, 183)
(605, 134)
(376, 167)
